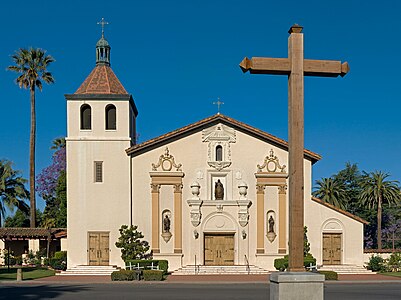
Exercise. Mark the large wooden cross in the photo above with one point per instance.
(295, 67)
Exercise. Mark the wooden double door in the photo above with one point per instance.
(219, 249)
(332, 248)
(98, 248)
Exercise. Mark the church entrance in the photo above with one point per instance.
(332, 249)
(219, 249)
(98, 248)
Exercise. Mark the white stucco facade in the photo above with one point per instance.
(221, 184)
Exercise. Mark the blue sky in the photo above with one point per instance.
(177, 57)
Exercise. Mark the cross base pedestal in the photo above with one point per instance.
(296, 285)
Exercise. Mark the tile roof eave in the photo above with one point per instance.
(314, 157)
(341, 211)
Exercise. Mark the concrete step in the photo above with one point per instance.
(346, 269)
(215, 270)
(89, 271)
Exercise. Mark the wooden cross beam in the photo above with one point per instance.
(295, 67)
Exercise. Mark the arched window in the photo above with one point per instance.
(219, 153)
(110, 117)
(86, 117)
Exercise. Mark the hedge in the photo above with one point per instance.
(123, 275)
(329, 275)
(153, 275)
(147, 263)
(281, 264)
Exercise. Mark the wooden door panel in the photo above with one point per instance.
(209, 250)
(94, 249)
(219, 250)
(98, 249)
(104, 249)
(332, 249)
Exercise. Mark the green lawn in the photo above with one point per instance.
(28, 273)
(396, 274)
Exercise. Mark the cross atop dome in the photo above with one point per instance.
(103, 47)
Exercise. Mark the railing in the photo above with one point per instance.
(196, 267)
(247, 265)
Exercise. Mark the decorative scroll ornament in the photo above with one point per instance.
(271, 164)
(219, 136)
(166, 162)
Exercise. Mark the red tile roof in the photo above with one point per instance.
(26, 233)
(165, 138)
(101, 80)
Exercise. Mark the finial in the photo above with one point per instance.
(102, 22)
(218, 103)
(295, 29)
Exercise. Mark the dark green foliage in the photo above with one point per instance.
(153, 275)
(281, 264)
(377, 264)
(12, 190)
(59, 261)
(132, 247)
(147, 263)
(123, 275)
(329, 275)
(306, 242)
(20, 219)
(394, 262)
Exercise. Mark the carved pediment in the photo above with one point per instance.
(219, 132)
(272, 164)
(219, 136)
(166, 162)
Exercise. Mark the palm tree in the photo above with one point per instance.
(331, 191)
(12, 190)
(31, 65)
(58, 143)
(376, 190)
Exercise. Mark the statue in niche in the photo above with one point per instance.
(166, 223)
(271, 224)
(218, 190)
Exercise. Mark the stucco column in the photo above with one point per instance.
(178, 218)
(155, 218)
(260, 215)
(282, 218)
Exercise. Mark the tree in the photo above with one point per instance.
(58, 143)
(376, 190)
(53, 189)
(350, 178)
(331, 191)
(31, 65)
(132, 247)
(12, 189)
(21, 219)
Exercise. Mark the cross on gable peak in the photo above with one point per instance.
(218, 103)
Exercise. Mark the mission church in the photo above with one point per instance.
(210, 193)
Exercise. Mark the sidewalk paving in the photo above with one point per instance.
(349, 278)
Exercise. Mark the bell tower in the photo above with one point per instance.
(101, 118)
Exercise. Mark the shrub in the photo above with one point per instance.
(281, 264)
(153, 275)
(329, 275)
(123, 275)
(147, 263)
(58, 261)
(394, 262)
(18, 260)
(131, 244)
(60, 255)
(377, 264)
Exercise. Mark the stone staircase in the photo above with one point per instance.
(220, 270)
(346, 269)
(89, 271)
